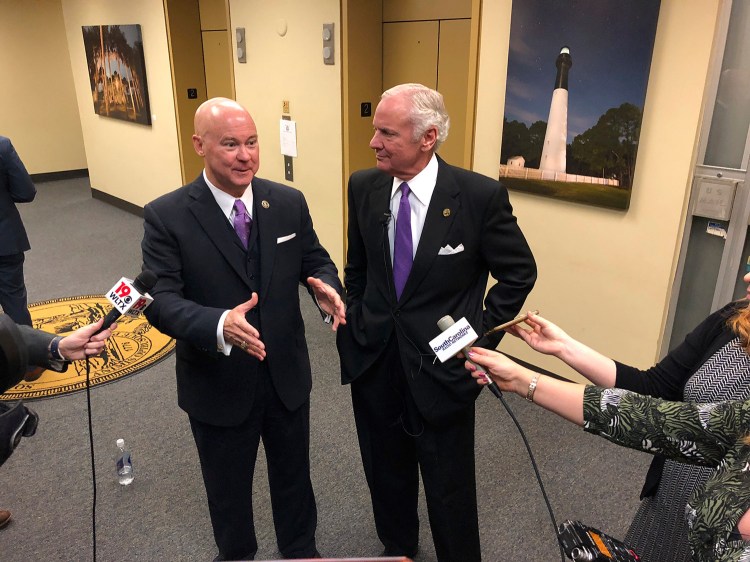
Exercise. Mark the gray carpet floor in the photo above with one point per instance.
(82, 246)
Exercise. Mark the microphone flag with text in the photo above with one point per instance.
(129, 297)
(457, 337)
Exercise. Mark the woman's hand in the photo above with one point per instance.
(507, 374)
(544, 336)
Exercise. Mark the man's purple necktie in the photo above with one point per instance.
(242, 222)
(403, 254)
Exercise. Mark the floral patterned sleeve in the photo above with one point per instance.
(699, 434)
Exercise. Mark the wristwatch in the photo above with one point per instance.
(54, 349)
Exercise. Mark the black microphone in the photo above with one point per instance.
(143, 284)
(386, 219)
(446, 322)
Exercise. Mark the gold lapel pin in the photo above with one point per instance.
(446, 212)
(265, 204)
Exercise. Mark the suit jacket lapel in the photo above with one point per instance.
(268, 214)
(208, 214)
(379, 197)
(443, 209)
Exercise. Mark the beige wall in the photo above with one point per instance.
(605, 276)
(38, 109)
(129, 161)
(290, 67)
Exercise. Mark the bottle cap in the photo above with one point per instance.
(121, 442)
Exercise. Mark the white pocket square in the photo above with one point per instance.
(282, 239)
(448, 250)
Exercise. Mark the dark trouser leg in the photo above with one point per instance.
(286, 438)
(446, 458)
(13, 298)
(388, 453)
(227, 456)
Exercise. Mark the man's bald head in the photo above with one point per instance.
(227, 140)
(217, 109)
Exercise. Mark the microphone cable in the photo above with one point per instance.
(536, 472)
(93, 465)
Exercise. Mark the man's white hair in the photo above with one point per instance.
(427, 110)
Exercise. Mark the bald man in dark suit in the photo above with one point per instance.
(230, 251)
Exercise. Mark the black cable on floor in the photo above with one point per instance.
(536, 472)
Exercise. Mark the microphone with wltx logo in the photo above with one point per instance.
(129, 297)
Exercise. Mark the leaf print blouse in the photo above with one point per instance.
(703, 434)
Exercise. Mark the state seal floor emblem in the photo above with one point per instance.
(134, 345)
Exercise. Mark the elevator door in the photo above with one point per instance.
(715, 251)
(434, 53)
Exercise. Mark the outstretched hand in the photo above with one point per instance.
(328, 300)
(239, 332)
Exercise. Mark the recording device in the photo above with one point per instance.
(386, 219)
(586, 544)
(457, 337)
(129, 297)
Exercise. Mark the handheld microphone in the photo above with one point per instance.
(129, 297)
(446, 322)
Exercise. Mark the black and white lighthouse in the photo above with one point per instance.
(555, 139)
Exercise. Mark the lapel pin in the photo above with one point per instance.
(446, 212)
(265, 204)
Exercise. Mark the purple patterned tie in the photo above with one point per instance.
(403, 254)
(242, 222)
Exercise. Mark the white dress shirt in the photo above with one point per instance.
(226, 204)
(421, 189)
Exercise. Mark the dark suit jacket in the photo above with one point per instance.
(468, 209)
(15, 187)
(201, 269)
(20, 347)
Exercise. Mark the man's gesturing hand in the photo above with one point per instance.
(329, 300)
(239, 332)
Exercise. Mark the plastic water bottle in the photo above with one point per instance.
(124, 464)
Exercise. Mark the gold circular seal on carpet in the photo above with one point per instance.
(134, 345)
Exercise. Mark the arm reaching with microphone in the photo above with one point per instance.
(563, 398)
(549, 339)
(22, 346)
(85, 342)
(700, 434)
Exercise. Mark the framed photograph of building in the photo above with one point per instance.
(117, 72)
(576, 87)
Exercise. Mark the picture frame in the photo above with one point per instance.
(117, 72)
(575, 93)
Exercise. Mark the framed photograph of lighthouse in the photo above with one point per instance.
(577, 77)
